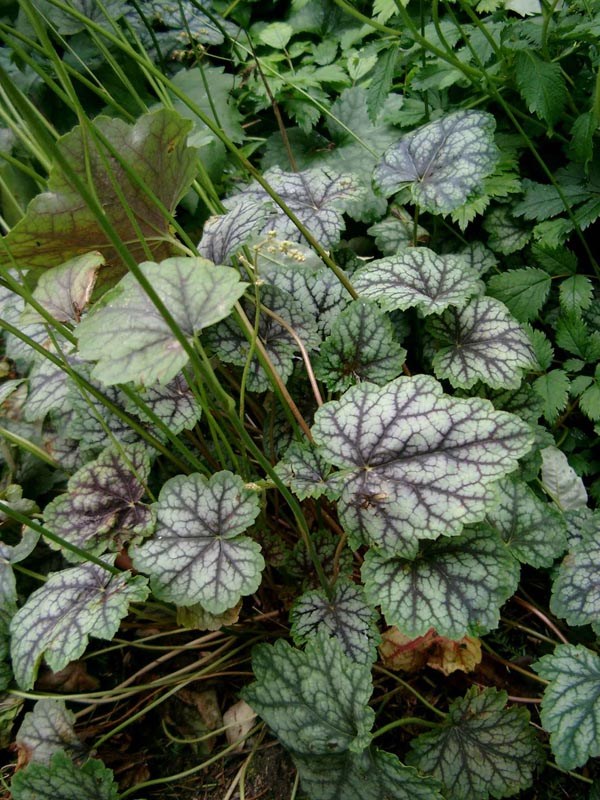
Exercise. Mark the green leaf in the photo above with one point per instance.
(102, 508)
(482, 748)
(534, 531)
(126, 334)
(541, 346)
(573, 335)
(65, 291)
(372, 775)
(305, 471)
(316, 700)
(553, 388)
(346, 615)
(174, 404)
(589, 401)
(560, 480)
(58, 618)
(225, 234)
(92, 424)
(571, 703)
(576, 293)
(418, 277)
(523, 291)
(67, 25)
(506, 235)
(62, 778)
(541, 84)
(59, 225)
(575, 595)
(45, 730)
(49, 384)
(581, 147)
(318, 197)
(454, 585)
(276, 35)
(414, 463)
(442, 162)
(381, 81)
(480, 342)
(361, 346)
(197, 554)
(230, 344)
(395, 233)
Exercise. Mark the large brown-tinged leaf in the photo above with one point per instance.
(59, 225)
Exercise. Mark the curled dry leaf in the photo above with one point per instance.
(400, 652)
(239, 719)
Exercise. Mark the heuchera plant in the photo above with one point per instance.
(360, 383)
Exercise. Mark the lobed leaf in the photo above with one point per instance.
(45, 730)
(128, 337)
(102, 508)
(418, 278)
(442, 162)
(571, 703)
(361, 346)
(345, 615)
(315, 700)
(197, 554)
(415, 463)
(58, 618)
(480, 342)
(454, 585)
(482, 748)
(62, 778)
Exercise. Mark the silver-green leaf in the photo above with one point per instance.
(62, 778)
(315, 700)
(346, 615)
(442, 162)
(576, 588)
(455, 585)
(418, 278)
(561, 482)
(58, 618)
(534, 531)
(480, 342)
(414, 463)
(361, 346)
(571, 703)
(126, 334)
(45, 730)
(197, 554)
(481, 749)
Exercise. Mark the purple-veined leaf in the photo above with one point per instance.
(128, 337)
(414, 463)
(197, 554)
(442, 162)
(59, 617)
(62, 778)
(46, 729)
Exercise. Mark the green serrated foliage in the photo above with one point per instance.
(534, 531)
(589, 400)
(571, 703)
(49, 727)
(574, 336)
(575, 596)
(305, 471)
(581, 148)
(553, 389)
(418, 278)
(102, 508)
(442, 162)
(454, 585)
(315, 700)
(318, 197)
(482, 749)
(480, 342)
(561, 482)
(65, 291)
(345, 615)
(541, 84)
(576, 293)
(197, 553)
(59, 225)
(372, 775)
(523, 291)
(58, 618)
(414, 463)
(128, 337)
(361, 346)
(381, 81)
(62, 778)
